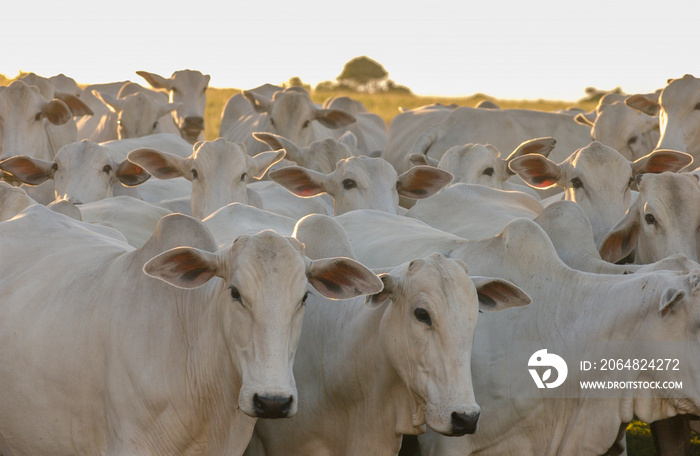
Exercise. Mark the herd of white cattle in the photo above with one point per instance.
(315, 282)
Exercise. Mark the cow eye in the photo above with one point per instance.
(243, 176)
(488, 171)
(650, 219)
(697, 107)
(306, 124)
(107, 169)
(423, 316)
(576, 183)
(272, 121)
(37, 117)
(54, 167)
(306, 296)
(155, 124)
(632, 141)
(235, 294)
(194, 174)
(349, 183)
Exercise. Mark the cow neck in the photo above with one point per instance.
(363, 381)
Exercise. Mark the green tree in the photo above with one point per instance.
(364, 75)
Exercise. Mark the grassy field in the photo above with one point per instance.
(385, 105)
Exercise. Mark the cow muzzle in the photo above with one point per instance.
(192, 126)
(272, 406)
(463, 423)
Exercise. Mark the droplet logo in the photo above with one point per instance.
(543, 359)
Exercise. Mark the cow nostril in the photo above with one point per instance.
(463, 423)
(272, 406)
(194, 123)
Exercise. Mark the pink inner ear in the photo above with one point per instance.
(544, 182)
(307, 190)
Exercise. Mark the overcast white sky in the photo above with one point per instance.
(549, 49)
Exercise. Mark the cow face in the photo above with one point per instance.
(427, 332)
(24, 117)
(188, 90)
(258, 306)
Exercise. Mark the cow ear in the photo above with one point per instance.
(165, 108)
(648, 104)
(660, 161)
(423, 160)
(300, 181)
(131, 174)
(31, 171)
(670, 298)
(259, 164)
(421, 182)
(114, 104)
(542, 146)
(349, 139)
(622, 238)
(334, 118)
(57, 112)
(276, 142)
(183, 267)
(75, 104)
(587, 119)
(499, 294)
(536, 170)
(260, 104)
(161, 165)
(342, 278)
(156, 81)
(390, 285)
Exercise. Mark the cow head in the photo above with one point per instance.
(219, 171)
(258, 306)
(427, 330)
(188, 90)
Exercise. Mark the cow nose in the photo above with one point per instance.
(272, 406)
(193, 123)
(463, 423)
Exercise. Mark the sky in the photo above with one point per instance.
(550, 49)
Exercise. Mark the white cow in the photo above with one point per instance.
(66, 85)
(219, 171)
(522, 420)
(598, 178)
(406, 127)
(369, 129)
(505, 129)
(676, 107)
(663, 220)
(133, 218)
(61, 88)
(31, 124)
(289, 113)
(82, 172)
(474, 211)
(625, 129)
(482, 163)
(371, 370)
(188, 90)
(363, 182)
(132, 113)
(238, 219)
(180, 360)
(321, 155)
